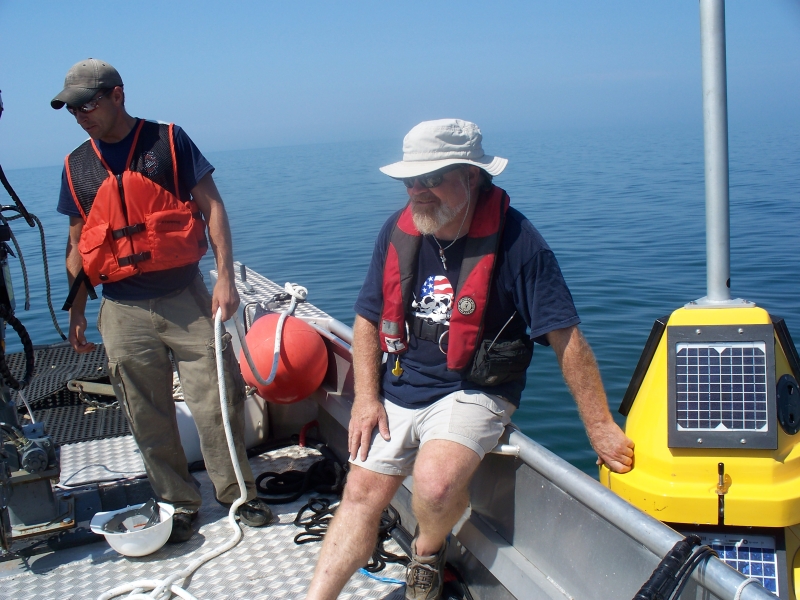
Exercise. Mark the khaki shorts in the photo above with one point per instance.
(470, 418)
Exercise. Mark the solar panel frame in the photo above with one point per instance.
(759, 337)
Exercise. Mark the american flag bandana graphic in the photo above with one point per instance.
(436, 285)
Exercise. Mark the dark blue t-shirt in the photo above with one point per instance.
(192, 167)
(527, 280)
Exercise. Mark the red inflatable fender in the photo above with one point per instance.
(303, 359)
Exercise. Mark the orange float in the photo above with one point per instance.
(302, 364)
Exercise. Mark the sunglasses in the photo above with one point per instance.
(89, 106)
(430, 180)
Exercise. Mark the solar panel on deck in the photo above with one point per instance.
(721, 386)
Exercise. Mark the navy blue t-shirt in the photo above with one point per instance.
(527, 280)
(192, 167)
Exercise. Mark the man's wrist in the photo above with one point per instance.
(225, 277)
(367, 398)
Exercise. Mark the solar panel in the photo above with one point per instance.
(721, 387)
(754, 556)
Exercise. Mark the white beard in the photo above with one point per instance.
(430, 221)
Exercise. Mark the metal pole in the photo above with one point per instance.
(715, 133)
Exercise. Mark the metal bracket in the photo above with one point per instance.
(90, 387)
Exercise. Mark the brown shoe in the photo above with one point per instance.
(425, 574)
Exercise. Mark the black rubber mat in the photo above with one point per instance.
(80, 423)
(55, 366)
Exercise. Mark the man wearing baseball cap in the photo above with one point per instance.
(140, 196)
(459, 287)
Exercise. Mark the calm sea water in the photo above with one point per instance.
(623, 211)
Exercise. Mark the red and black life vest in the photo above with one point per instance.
(474, 282)
(134, 222)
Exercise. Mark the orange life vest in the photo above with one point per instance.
(474, 282)
(134, 222)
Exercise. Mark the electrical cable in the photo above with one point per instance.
(700, 554)
(19, 206)
(21, 261)
(27, 345)
(47, 285)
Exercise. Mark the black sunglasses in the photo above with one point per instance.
(430, 180)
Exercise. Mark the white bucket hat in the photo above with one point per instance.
(433, 145)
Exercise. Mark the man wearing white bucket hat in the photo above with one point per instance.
(459, 287)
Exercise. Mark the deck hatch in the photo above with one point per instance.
(722, 387)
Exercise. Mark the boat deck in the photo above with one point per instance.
(265, 564)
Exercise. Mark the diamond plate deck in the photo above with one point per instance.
(100, 460)
(265, 564)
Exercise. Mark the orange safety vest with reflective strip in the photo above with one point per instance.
(474, 282)
(134, 222)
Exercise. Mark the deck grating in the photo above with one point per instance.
(265, 564)
(81, 423)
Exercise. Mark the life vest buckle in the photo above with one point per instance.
(133, 259)
(127, 231)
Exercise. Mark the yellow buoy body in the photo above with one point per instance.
(699, 485)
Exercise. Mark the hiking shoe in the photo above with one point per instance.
(425, 574)
(182, 529)
(253, 513)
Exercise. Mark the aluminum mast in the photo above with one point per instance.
(715, 134)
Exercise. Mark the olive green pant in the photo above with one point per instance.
(139, 336)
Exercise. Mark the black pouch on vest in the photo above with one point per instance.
(501, 362)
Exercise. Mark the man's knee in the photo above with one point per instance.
(369, 490)
(443, 471)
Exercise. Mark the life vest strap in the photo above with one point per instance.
(127, 231)
(81, 279)
(428, 330)
(134, 258)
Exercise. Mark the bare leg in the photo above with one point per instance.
(352, 534)
(442, 474)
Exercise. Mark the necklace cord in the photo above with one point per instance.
(460, 227)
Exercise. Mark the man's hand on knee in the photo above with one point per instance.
(364, 417)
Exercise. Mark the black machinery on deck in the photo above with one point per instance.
(29, 458)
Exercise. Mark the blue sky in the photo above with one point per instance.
(254, 74)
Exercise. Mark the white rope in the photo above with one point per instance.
(297, 292)
(165, 588)
(743, 585)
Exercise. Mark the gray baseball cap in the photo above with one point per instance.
(84, 80)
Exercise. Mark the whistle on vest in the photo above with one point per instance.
(398, 370)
